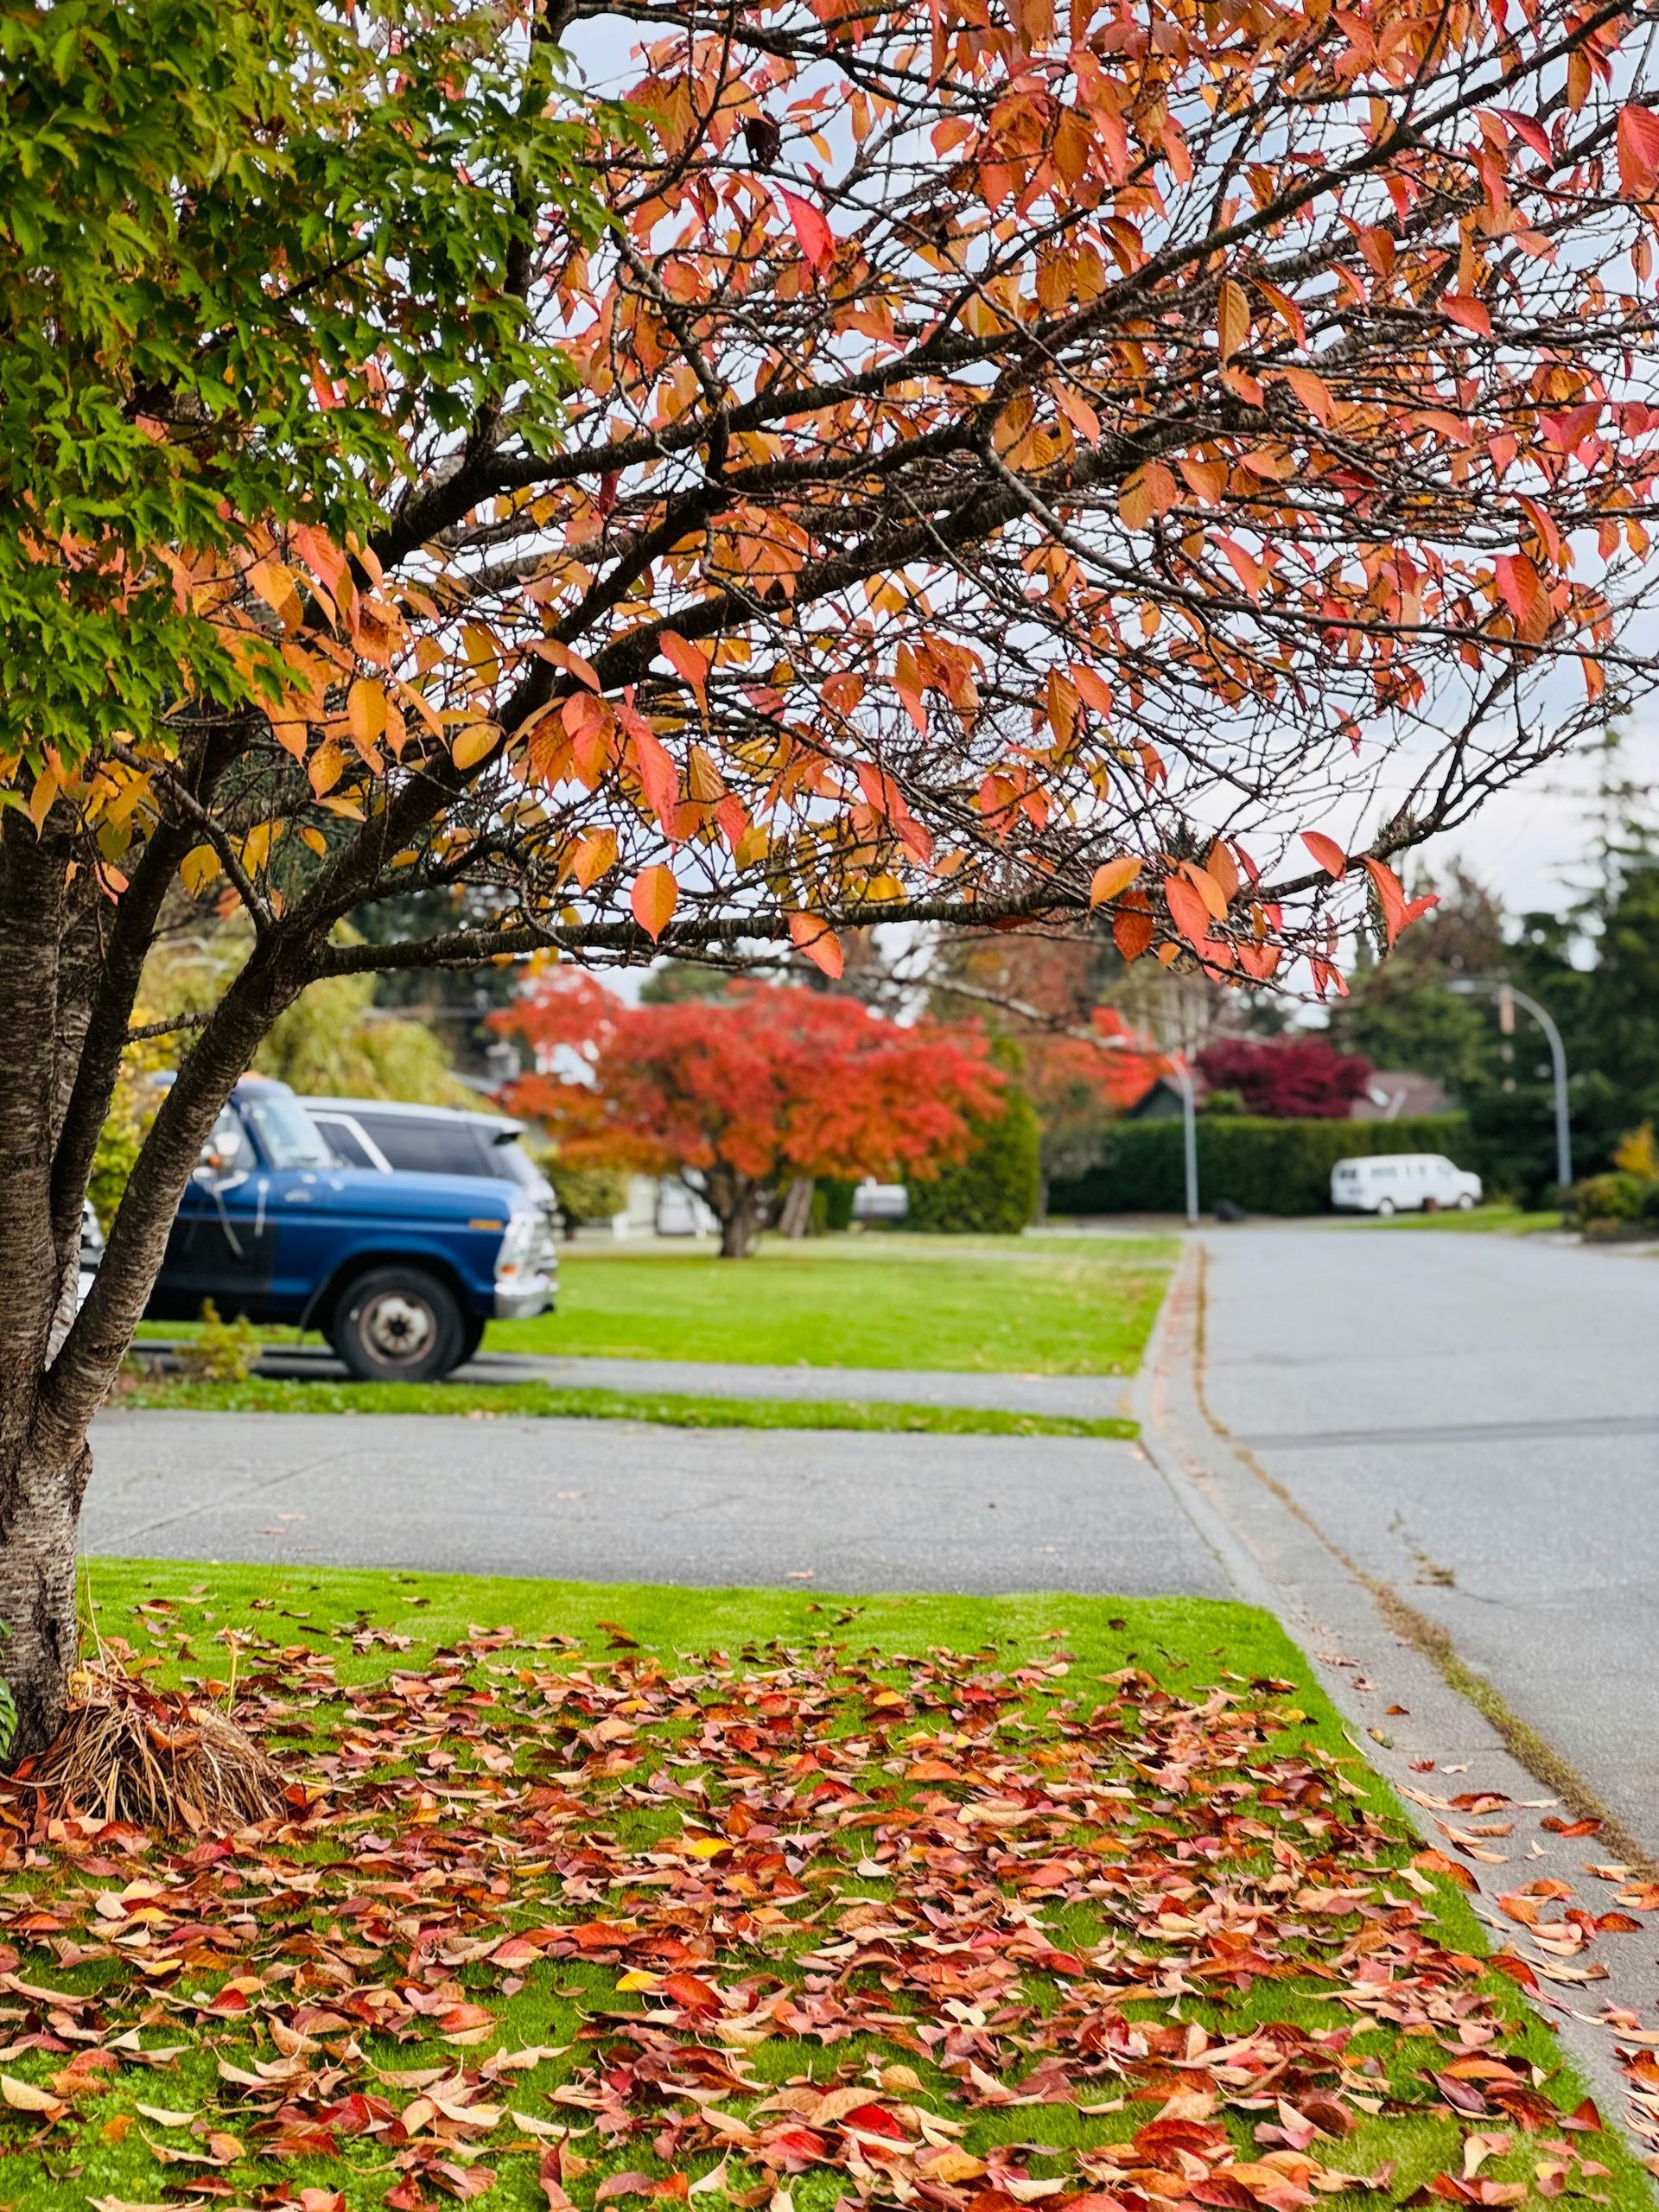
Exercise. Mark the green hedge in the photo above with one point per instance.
(993, 1192)
(1264, 1166)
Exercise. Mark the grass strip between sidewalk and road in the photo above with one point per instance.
(762, 1894)
(545, 1401)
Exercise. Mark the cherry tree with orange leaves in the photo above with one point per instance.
(930, 461)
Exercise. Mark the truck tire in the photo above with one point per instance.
(472, 1335)
(398, 1324)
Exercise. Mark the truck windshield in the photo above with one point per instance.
(288, 1136)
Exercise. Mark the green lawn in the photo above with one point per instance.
(1506, 1220)
(780, 1899)
(665, 1409)
(1057, 1306)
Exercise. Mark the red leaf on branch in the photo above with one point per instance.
(818, 240)
(687, 660)
(1639, 151)
(1398, 911)
(1326, 851)
(1187, 910)
(658, 777)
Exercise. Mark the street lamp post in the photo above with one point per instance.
(1177, 1068)
(1466, 986)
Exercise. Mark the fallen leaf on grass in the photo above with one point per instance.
(23, 2096)
(682, 1851)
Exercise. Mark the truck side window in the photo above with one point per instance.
(229, 1141)
(343, 1142)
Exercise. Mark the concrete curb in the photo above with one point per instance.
(1401, 1710)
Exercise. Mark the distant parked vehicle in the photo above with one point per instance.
(390, 1138)
(394, 1138)
(91, 1249)
(1402, 1182)
(399, 1271)
(873, 1201)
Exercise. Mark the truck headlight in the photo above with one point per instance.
(518, 1244)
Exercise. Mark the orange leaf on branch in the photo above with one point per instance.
(653, 898)
(1326, 851)
(813, 935)
(1398, 911)
(1112, 878)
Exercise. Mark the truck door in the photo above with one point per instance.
(223, 1237)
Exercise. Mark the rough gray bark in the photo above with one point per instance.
(738, 1204)
(69, 969)
(41, 1495)
(795, 1214)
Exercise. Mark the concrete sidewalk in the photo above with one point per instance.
(620, 1500)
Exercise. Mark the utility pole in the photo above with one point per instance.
(1508, 999)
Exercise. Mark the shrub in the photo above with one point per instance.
(994, 1192)
(223, 1352)
(1286, 1078)
(832, 1207)
(1263, 1166)
(1617, 1196)
(1637, 1154)
(588, 1193)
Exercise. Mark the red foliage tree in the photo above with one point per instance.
(1294, 1080)
(741, 1095)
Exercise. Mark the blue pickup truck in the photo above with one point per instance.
(400, 1272)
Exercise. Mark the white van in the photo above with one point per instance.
(1402, 1182)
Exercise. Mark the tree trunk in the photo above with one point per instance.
(795, 1215)
(40, 1508)
(739, 1219)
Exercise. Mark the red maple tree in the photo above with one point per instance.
(743, 1095)
(1289, 1079)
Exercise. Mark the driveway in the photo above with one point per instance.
(617, 1501)
(1475, 1421)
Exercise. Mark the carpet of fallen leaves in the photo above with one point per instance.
(791, 1928)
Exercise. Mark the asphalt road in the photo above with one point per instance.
(1474, 1420)
(617, 1501)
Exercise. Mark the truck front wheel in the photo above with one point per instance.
(398, 1324)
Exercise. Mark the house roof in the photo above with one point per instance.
(1400, 1094)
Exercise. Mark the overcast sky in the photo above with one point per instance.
(1526, 844)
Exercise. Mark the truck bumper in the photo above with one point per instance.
(523, 1300)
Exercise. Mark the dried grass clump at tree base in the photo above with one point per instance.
(152, 1759)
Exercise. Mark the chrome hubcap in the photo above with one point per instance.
(399, 1327)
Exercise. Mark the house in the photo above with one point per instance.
(1398, 1094)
